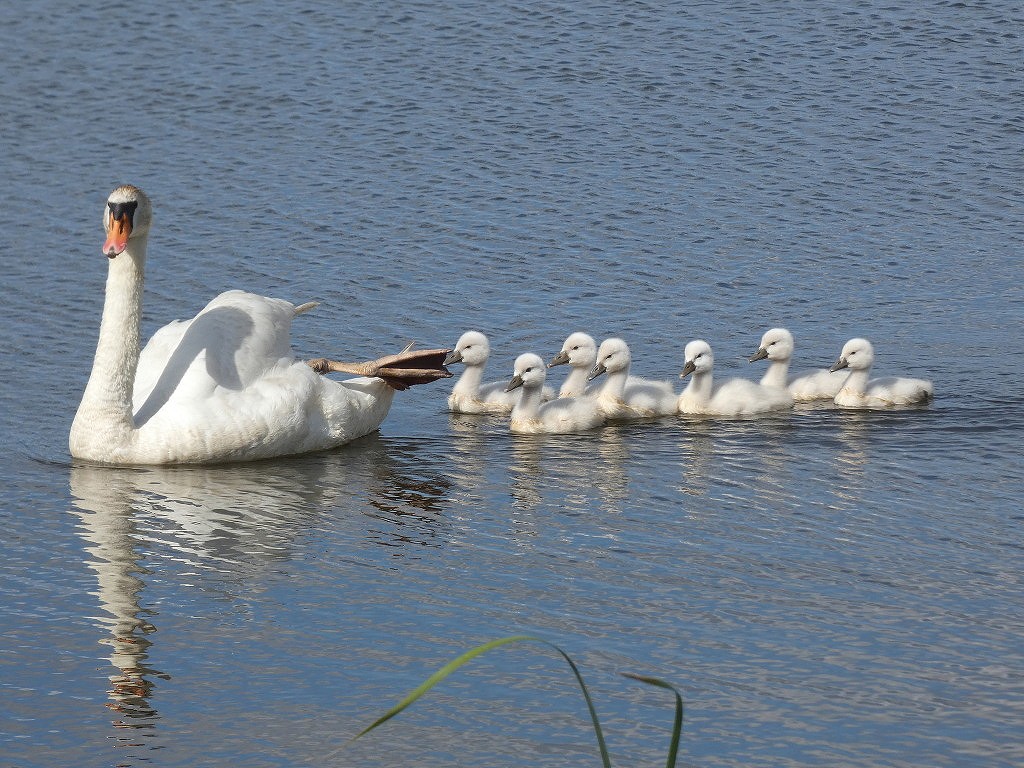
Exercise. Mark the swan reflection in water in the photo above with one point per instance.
(227, 523)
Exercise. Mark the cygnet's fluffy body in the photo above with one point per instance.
(469, 395)
(861, 391)
(531, 416)
(734, 397)
(624, 396)
(777, 347)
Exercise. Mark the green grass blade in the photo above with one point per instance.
(471, 654)
(677, 726)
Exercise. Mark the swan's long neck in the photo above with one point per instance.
(777, 374)
(700, 388)
(107, 402)
(469, 381)
(575, 383)
(528, 406)
(857, 381)
(615, 388)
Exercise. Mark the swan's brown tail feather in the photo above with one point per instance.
(400, 371)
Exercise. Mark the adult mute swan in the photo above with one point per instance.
(222, 386)
(624, 396)
(735, 397)
(469, 395)
(858, 391)
(777, 347)
(531, 416)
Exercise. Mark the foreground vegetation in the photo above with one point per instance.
(471, 654)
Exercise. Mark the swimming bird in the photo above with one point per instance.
(859, 391)
(222, 386)
(624, 396)
(580, 351)
(469, 395)
(777, 347)
(531, 416)
(735, 397)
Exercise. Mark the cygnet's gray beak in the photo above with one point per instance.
(689, 368)
(761, 354)
(560, 359)
(455, 356)
(841, 363)
(516, 383)
(598, 370)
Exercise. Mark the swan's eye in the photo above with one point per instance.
(576, 347)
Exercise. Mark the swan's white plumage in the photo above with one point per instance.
(531, 416)
(777, 346)
(734, 397)
(222, 386)
(624, 396)
(470, 395)
(861, 391)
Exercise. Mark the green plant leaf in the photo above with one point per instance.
(471, 654)
(677, 726)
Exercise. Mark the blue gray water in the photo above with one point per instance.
(825, 588)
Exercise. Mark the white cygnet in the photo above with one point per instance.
(531, 416)
(735, 397)
(469, 395)
(858, 391)
(777, 347)
(629, 397)
(580, 352)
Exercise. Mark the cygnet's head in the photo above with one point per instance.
(612, 356)
(472, 349)
(579, 350)
(857, 355)
(776, 344)
(126, 214)
(698, 358)
(529, 371)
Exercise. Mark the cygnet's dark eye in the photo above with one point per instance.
(576, 347)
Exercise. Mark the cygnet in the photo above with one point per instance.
(777, 347)
(859, 391)
(469, 395)
(629, 397)
(580, 352)
(735, 397)
(531, 416)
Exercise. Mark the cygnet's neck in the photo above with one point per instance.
(777, 374)
(615, 388)
(857, 381)
(469, 381)
(107, 399)
(575, 383)
(700, 388)
(528, 406)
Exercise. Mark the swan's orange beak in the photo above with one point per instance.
(117, 236)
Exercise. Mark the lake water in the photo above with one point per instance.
(825, 588)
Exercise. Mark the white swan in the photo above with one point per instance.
(222, 386)
(580, 351)
(858, 391)
(777, 347)
(531, 416)
(735, 397)
(469, 395)
(629, 397)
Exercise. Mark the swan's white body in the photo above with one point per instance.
(469, 395)
(531, 416)
(220, 387)
(735, 397)
(860, 391)
(777, 346)
(629, 397)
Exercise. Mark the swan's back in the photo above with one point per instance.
(742, 397)
(561, 416)
(816, 384)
